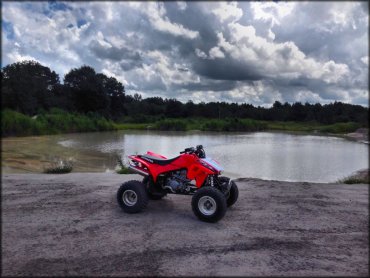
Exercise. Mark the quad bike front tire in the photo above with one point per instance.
(152, 194)
(209, 204)
(132, 196)
(233, 194)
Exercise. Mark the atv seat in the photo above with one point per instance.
(157, 160)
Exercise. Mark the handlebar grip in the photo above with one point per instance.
(182, 152)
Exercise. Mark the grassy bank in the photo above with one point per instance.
(337, 128)
(240, 125)
(58, 121)
(53, 122)
(359, 177)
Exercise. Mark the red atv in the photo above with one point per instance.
(190, 173)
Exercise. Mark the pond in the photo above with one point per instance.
(267, 155)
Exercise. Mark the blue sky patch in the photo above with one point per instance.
(81, 22)
(58, 6)
(8, 29)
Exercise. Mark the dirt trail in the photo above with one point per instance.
(71, 225)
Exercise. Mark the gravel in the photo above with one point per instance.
(71, 224)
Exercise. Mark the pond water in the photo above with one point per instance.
(267, 155)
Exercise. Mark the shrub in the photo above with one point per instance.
(59, 167)
(213, 125)
(122, 168)
(359, 177)
(15, 123)
(170, 124)
(233, 125)
(340, 127)
(55, 121)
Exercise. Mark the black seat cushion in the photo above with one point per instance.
(157, 160)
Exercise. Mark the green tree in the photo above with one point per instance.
(173, 108)
(116, 92)
(87, 90)
(27, 86)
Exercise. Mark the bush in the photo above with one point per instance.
(59, 167)
(122, 168)
(169, 124)
(213, 125)
(361, 176)
(15, 123)
(55, 121)
(233, 125)
(340, 127)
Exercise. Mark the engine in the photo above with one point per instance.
(177, 182)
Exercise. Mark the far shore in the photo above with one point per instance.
(361, 135)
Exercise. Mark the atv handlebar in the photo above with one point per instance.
(188, 150)
(199, 151)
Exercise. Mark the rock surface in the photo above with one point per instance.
(71, 225)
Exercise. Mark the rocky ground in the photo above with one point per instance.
(71, 225)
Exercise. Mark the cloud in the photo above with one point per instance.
(182, 5)
(255, 52)
(216, 52)
(156, 14)
(226, 11)
(365, 60)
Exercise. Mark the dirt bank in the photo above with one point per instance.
(361, 135)
(71, 225)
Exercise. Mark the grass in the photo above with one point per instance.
(58, 121)
(353, 180)
(122, 167)
(52, 122)
(59, 167)
(124, 171)
(359, 177)
(337, 128)
(233, 125)
(171, 124)
(133, 126)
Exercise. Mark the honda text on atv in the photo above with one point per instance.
(190, 173)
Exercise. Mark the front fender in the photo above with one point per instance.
(199, 173)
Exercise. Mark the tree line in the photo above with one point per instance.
(29, 87)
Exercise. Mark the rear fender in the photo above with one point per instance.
(139, 165)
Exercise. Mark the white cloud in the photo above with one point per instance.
(304, 96)
(14, 56)
(318, 50)
(277, 59)
(156, 13)
(272, 11)
(365, 60)
(200, 53)
(182, 5)
(216, 52)
(226, 11)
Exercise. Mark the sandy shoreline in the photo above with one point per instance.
(71, 225)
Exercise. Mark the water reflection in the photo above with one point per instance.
(266, 155)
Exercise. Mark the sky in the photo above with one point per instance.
(243, 52)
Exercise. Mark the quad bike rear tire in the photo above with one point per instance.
(233, 194)
(132, 196)
(152, 194)
(209, 204)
